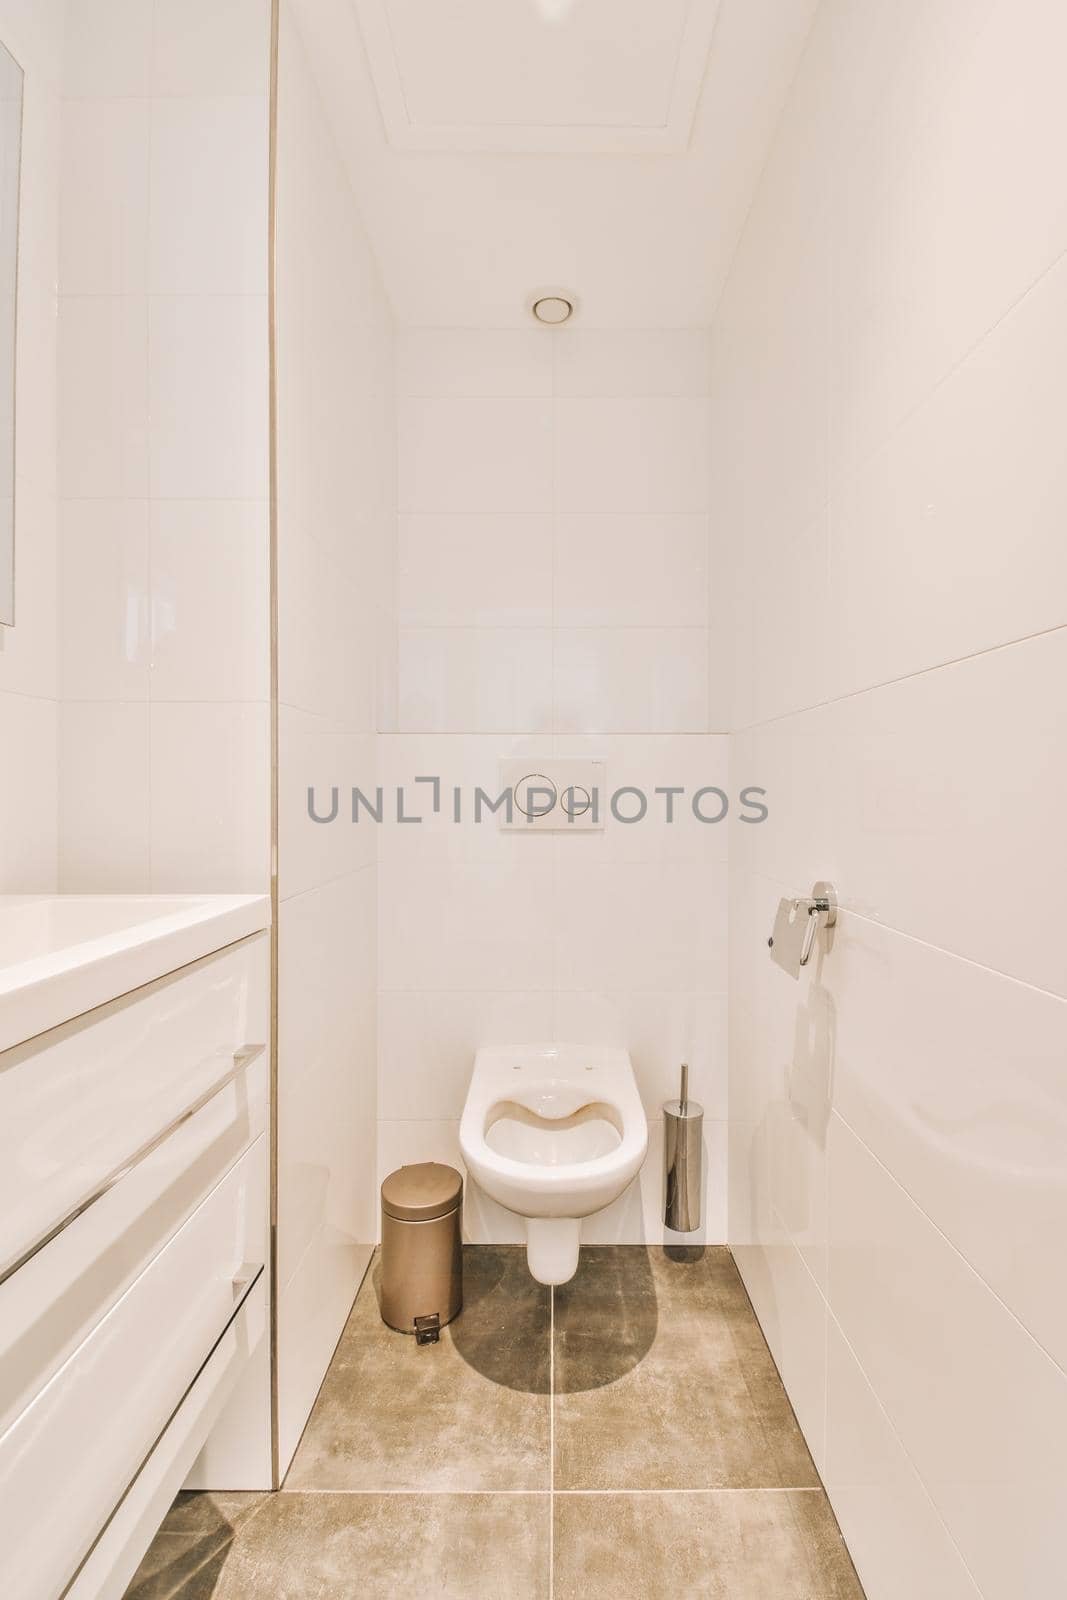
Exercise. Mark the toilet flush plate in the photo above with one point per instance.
(553, 795)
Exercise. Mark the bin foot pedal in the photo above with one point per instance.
(428, 1329)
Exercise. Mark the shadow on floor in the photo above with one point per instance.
(502, 1331)
(606, 1318)
(187, 1557)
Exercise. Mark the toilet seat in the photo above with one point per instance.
(554, 1133)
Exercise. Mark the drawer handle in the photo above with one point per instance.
(241, 1059)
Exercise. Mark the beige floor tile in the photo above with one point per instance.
(175, 1562)
(192, 1544)
(211, 1512)
(471, 1412)
(726, 1545)
(664, 1380)
(379, 1547)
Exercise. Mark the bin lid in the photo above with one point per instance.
(421, 1192)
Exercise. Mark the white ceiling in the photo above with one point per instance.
(538, 75)
(606, 146)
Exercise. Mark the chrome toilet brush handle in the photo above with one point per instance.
(683, 1127)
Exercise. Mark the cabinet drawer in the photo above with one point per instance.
(71, 1455)
(55, 1300)
(117, 1554)
(77, 1102)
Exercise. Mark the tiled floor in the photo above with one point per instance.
(632, 1439)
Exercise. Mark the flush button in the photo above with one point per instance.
(575, 800)
(559, 794)
(535, 795)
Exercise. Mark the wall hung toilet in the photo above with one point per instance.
(554, 1133)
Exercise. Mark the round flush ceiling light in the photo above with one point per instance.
(553, 307)
(555, 10)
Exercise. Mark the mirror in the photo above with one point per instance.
(10, 145)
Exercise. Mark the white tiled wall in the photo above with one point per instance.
(554, 579)
(336, 610)
(163, 439)
(32, 30)
(889, 475)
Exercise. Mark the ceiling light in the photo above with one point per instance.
(553, 308)
(555, 10)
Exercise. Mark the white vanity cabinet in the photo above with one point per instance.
(134, 1243)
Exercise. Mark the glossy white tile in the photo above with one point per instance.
(923, 819)
(918, 281)
(630, 680)
(104, 620)
(202, 49)
(892, 1528)
(474, 363)
(928, 1334)
(103, 215)
(36, 374)
(475, 680)
(327, 637)
(792, 1314)
(326, 1055)
(640, 926)
(475, 455)
(315, 757)
(209, 818)
(29, 652)
(475, 571)
(951, 1075)
(635, 455)
(28, 809)
(210, 639)
(104, 839)
(108, 49)
(208, 394)
(630, 571)
(780, 654)
(465, 926)
(948, 540)
(209, 195)
(103, 397)
(622, 362)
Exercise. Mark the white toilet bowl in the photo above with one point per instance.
(554, 1133)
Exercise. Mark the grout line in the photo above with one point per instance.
(892, 1430)
(419, 1493)
(953, 955)
(965, 1261)
(903, 677)
(548, 1494)
(769, 1488)
(551, 1440)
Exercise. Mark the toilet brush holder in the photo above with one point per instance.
(683, 1128)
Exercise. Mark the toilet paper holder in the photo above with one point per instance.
(798, 922)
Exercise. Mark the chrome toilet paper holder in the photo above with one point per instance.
(797, 924)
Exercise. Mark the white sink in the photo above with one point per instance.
(61, 955)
